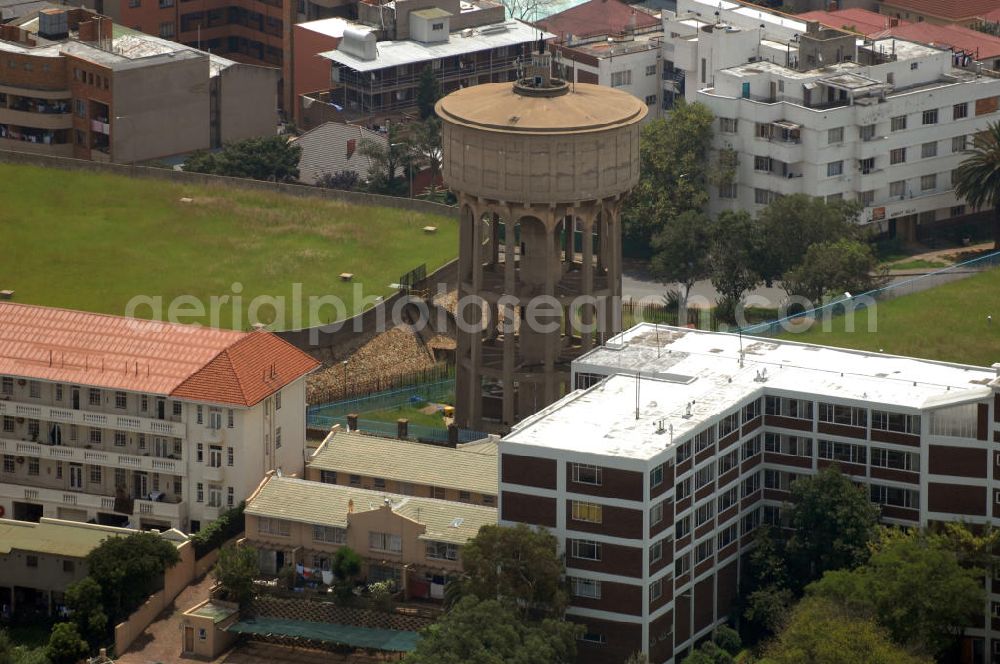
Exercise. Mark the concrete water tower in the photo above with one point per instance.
(540, 168)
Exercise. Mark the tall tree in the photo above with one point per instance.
(130, 569)
(682, 249)
(517, 565)
(273, 159)
(833, 523)
(766, 595)
(235, 571)
(425, 148)
(492, 632)
(388, 159)
(675, 158)
(824, 632)
(529, 11)
(977, 178)
(794, 223)
(83, 598)
(832, 268)
(428, 92)
(915, 586)
(735, 246)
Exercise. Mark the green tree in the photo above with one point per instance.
(130, 569)
(835, 267)
(824, 632)
(343, 180)
(6, 649)
(346, 566)
(735, 246)
(765, 595)
(915, 587)
(519, 566)
(428, 92)
(235, 571)
(792, 224)
(83, 598)
(388, 161)
(65, 644)
(675, 156)
(272, 158)
(492, 632)
(833, 522)
(424, 141)
(977, 178)
(682, 249)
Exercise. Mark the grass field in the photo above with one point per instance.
(414, 415)
(945, 323)
(917, 264)
(93, 242)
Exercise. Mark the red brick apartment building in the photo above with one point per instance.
(681, 443)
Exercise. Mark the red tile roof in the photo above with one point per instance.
(219, 366)
(598, 17)
(952, 10)
(859, 20)
(956, 37)
(991, 16)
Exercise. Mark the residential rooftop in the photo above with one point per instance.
(951, 10)
(471, 467)
(182, 361)
(687, 379)
(71, 539)
(598, 18)
(322, 504)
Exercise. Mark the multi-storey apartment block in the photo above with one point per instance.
(466, 473)
(157, 425)
(806, 109)
(678, 444)
(69, 87)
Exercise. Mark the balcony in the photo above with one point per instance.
(92, 457)
(158, 509)
(36, 120)
(174, 512)
(92, 419)
(20, 145)
(100, 127)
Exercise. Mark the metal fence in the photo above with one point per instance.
(440, 390)
(420, 432)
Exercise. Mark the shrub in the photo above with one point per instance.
(65, 644)
(229, 524)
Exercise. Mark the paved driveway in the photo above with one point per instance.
(161, 642)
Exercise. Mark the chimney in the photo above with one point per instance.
(402, 426)
(352, 421)
(452, 435)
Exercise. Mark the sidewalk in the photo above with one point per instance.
(161, 642)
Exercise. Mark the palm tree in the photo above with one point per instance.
(977, 179)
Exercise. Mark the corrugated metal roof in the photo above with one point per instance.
(471, 468)
(954, 10)
(115, 352)
(316, 503)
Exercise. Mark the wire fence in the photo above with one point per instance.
(860, 301)
(419, 432)
(435, 391)
(353, 387)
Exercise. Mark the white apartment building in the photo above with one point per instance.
(153, 425)
(807, 109)
(679, 443)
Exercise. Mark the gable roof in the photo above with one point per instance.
(326, 149)
(472, 468)
(316, 503)
(598, 17)
(116, 352)
(952, 10)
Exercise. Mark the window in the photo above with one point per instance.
(727, 500)
(201, 494)
(95, 437)
(385, 542)
(959, 111)
(894, 459)
(928, 182)
(796, 408)
(330, 534)
(956, 421)
(214, 418)
(277, 438)
(957, 211)
(33, 466)
(328, 476)
(897, 188)
(834, 168)
(751, 448)
(897, 156)
(683, 452)
(199, 453)
(898, 123)
(845, 452)
(729, 461)
(959, 143)
(35, 389)
(704, 476)
(589, 512)
(589, 588)
(763, 196)
(7, 385)
(704, 550)
(586, 550)
(835, 135)
(585, 474)
(930, 117)
(894, 497)
(31, 561)
(199, 414)
(656, 513)
(750, 522)
(650, 100)
(167, 29)
(463, 496)
(728, 190)
(866, 132)
(762, 164)
(866, 198)
(144, 403)
(134, 3)
(121, 400)
(120, 439)
(230, 497)
(656, 551)
(69, 566)
(267, 526)
(437, 26)
(215, 456)
(230, 456)
(650, 70)
(727, 536)
(866, 166)
(94, 397)
(705, 439)
(96, 475)
(728, 125)
(847, 415)
(656, 476)
(621, 78)
(729, 424)
(8, 423)
(683, 489)
(277, 400)
(928, 150)
(442, 551)
(704, 513)
(751, 411)
(750, 485)
(682, 565)
(682, 528)
(177, 408)
(8, 463)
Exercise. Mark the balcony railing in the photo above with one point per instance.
(88, 418)
(92, 457)
(173, 511)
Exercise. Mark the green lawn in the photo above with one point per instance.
(409, 412)
(917, 264)
(945, 323)
(93, 242)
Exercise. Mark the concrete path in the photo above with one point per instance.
(161, 642)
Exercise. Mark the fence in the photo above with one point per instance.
(639, 311)
(359, 389)
(900, 287)
(419, 432)
(440, 390)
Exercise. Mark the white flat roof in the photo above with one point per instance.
(394, 53)
(678, 366)
(331, 27)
